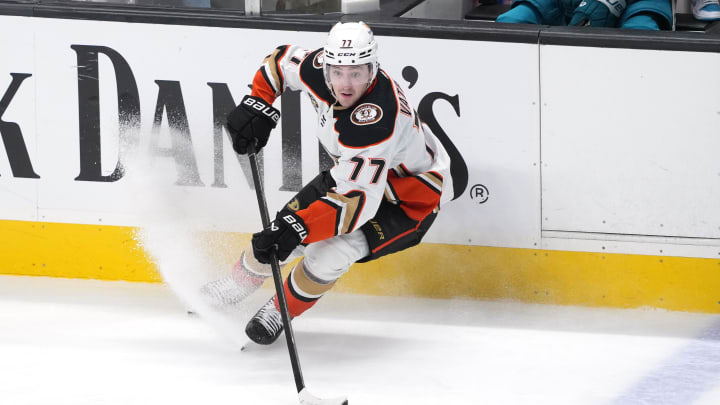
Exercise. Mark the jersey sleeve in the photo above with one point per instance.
(279, 71)
(360, 177)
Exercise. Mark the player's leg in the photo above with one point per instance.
(395, 227)
(313, 276)
(402, 223)
(390, 231)
(246, 276)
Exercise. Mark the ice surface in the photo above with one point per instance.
(94, 342)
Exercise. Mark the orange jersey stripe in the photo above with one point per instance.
(320, 219)
(323, 217)
(417, 199)
(261, 88)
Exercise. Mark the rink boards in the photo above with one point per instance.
(594, 177)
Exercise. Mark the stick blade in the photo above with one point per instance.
(307, 398)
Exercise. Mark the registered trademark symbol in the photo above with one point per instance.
(479, 193)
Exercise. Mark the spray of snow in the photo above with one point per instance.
(186, 255)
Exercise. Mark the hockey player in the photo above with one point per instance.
(390, 178)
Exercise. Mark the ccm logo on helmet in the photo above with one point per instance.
(346, 54)
(263, 108)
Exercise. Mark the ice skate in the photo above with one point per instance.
(229, 291)
(266, 326)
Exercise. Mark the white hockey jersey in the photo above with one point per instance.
(375, 145)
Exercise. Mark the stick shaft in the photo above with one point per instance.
(277, 275)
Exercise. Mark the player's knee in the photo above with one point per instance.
(248, 262)
(329, 259)
(324, 263)
(323, 275)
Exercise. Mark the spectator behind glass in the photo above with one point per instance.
(632, 14)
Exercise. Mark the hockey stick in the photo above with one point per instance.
(305, 397)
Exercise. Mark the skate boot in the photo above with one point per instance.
(266, 326)
(229, 291)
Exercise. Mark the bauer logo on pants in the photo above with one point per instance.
(366, 114)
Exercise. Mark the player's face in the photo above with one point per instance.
(349, 83)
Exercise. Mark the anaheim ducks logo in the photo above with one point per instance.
(294, 205)
(366, 114)
(317, 61)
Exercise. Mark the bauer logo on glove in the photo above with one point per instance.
(297, 226)
(265, 109)
(285, 233)
(251, 123)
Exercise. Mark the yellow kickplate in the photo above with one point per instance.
(73, 251)
(428, 270)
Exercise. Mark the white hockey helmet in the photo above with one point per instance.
(350, 44)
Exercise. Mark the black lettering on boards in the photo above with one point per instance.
(11, 133)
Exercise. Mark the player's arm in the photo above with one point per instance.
(360, 176)
(345, 201)
(367, 151)
(279, 71)
(360, 184)
(352, 197)
(255, 117)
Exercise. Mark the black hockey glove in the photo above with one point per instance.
(285, 233)
(251, 121)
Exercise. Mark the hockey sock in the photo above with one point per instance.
(302, 290)
(247, 277)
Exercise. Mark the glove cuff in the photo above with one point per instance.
(261, 108)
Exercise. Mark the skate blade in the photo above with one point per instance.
(307, 398)
(249, 345)
(252, 346)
